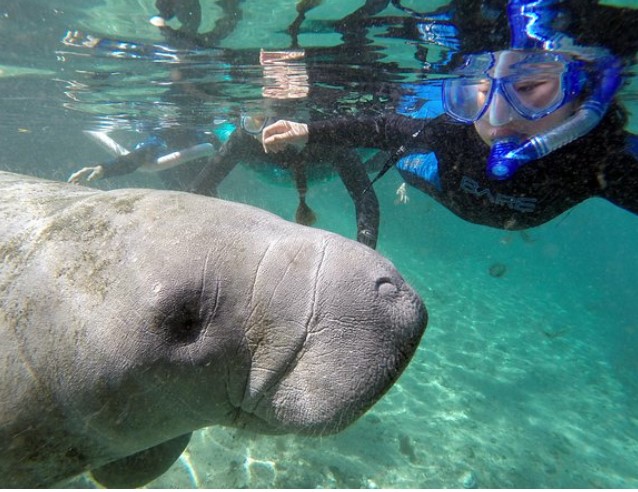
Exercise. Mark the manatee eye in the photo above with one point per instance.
(183, 324)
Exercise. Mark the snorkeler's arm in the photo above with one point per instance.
(387, 132)
(121, 165)
(238, 146)
(90, 173)
(124, 164)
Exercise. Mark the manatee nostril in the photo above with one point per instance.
(385, 286)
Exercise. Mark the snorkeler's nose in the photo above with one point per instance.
(500, 111)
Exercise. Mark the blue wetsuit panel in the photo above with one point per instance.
(421, 100)
(223, 130)
(425, 166)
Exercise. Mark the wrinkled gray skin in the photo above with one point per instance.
(130, 318)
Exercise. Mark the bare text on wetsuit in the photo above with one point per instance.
(520, 204)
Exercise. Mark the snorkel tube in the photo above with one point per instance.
(530, 23)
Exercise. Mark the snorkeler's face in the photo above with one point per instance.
(539, 87)
(254, 124)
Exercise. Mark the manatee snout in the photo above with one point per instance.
(366, 325)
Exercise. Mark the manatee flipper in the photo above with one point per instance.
(140, 468)
(304, 214)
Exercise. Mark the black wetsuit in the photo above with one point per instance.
(452, 162)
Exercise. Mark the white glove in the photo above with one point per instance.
(275, 137)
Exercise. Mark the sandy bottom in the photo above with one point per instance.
(526, 377)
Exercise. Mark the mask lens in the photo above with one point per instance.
(537, 95)
(253, 124)
(465, 98)
(534, 84)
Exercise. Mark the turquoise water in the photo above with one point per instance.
(525, 380)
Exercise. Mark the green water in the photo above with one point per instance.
(528, 380)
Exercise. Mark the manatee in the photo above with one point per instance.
(131, 318)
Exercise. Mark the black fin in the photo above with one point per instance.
(304, 214)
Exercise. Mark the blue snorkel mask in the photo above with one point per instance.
(255, 124)
(545, 55)
(534, 84)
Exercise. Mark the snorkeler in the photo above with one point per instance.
(529, 130)
(312, 162)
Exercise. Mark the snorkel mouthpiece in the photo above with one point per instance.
(503, 161)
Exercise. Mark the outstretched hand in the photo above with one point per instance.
(275, 137)
(87, 173)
